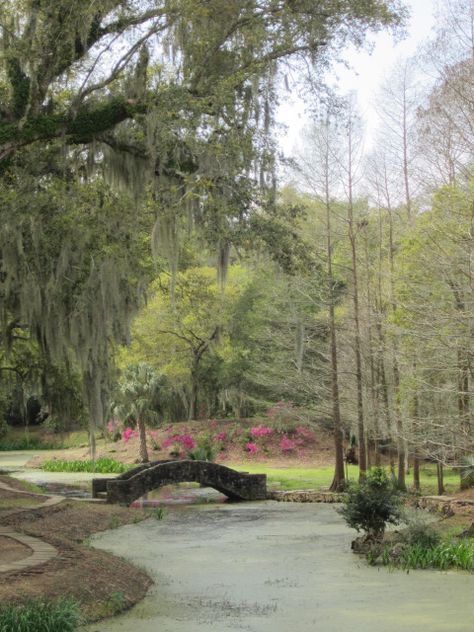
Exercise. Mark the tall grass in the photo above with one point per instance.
(39, 616)
(442, 556)
(104, 465)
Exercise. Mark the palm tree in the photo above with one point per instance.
(137, 400)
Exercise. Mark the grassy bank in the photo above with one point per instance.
(314, 478)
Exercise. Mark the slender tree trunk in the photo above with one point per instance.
(194, 399)
(406, 178)
(355, 297)
(339, 477)
(92, 442)
(142, 448)
(416, 472)
(374, 385)
(463, 402)
(415, 416)
(396, 371)
(440, 477)
(193, 402)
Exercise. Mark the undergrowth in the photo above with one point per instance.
(25, 443)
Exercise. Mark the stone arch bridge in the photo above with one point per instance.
(129, 486)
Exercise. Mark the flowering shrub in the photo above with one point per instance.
(220, 437)
(305, 434)
(251, 447)
(181, 444)
(126, 434)
(287, 444)
(261, 431)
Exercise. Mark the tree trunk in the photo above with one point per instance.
(143, 450)
(440, 477)
(193, 402)
(92, 444)
(339, 476)
(416, 472)
(396, 373)
(374, 382)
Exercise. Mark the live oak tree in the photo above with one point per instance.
(143, 88)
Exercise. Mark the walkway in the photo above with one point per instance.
(41, 552)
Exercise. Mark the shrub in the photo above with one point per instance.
(373, 504)
(205, 450)
(419, 532)
(61, 616)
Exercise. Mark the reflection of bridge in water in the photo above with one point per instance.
(129, 486)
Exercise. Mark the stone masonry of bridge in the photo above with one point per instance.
(136, 482)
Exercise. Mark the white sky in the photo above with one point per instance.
(367, 72)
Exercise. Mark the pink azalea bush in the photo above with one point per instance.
(286, 444)
(251, 447)
(127, 434)
(184, 441)
(261, 431)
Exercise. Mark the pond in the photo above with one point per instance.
(275, 567)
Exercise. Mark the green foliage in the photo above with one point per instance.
(138, 393)
(445, 555)
(373, 504)
(103, 465)
(159, 513)
(206, 449)
(40, 616)
(418, 532)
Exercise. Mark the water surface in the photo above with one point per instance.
(275, 567)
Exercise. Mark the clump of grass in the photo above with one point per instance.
(442, 556)
(159, 513)
(40, 616)
(104, 465)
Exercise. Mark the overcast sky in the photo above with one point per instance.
(366, 74)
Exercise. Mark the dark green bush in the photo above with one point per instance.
(373, 504)
(39, 616)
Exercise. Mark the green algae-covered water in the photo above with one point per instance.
(275, 567)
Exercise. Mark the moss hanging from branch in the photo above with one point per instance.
(73, 268)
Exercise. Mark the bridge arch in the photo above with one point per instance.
(135, 483)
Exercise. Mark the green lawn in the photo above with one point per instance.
(315, 478)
